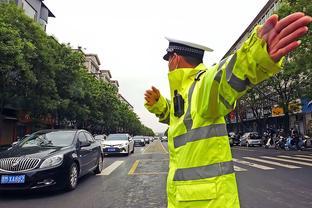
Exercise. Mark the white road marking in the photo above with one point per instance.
(307, 156)
(296, 158)
(290, 161)
(111, 168)
(263, 167)
(272, 162)
(239, 169)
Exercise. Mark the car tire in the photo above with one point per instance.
(99, 166)
(71, 179)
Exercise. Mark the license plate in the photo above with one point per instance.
(7, 179)
(111, 150)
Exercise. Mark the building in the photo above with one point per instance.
(35, 9)
(92, 64)
(124, 100)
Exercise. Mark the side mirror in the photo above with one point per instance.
(84, 144)
(14, 143)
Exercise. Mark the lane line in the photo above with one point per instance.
(290, 161)
(149, 145)
(163, 147)
(239, 169)
(151, 173)
(296, 158)
(307, 156)
(111, 168)
(263, 167)
(134, 167)
(272, 162)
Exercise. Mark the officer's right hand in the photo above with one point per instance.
(152, 96)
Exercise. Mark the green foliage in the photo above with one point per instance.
(41, 76)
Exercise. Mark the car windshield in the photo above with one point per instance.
(99, 137)
(117, 137)
(137, 137)
(254, 135)
(49, 139)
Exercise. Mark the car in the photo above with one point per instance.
(101, 139)
(251, 139)
(118, 144)
(50, 159)
(147, 140)
(139, 141)
(164, 139)
(233, 139)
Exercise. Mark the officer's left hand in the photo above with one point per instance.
(282, 35)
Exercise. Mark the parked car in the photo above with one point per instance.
(147, 140)
(139, 141)
(233, 139)
(50, 158)
(119, 143)
(251, 139)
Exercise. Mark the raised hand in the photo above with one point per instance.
(152, 96)
(282, 35)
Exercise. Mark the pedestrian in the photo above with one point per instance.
(201, 172)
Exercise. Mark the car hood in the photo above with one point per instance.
(33, 152)
(115, 142)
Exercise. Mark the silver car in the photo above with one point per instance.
(250, 139)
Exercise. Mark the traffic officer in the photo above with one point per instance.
(201, 172)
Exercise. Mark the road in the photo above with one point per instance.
(266, 178)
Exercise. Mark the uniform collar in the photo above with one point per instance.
(181, 78)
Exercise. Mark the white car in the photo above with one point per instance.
(250, 139)
(118, 144)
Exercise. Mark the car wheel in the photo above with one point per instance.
(99, 166)
(72, 177)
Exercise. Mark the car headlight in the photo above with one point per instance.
(142, 140)
(52, 161)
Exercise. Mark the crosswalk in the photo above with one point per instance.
(272, 162)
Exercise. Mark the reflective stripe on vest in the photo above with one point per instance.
(188, 121)
(236, 83)
(202, 172)
(205, 132)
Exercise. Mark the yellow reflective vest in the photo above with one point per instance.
(201, 172)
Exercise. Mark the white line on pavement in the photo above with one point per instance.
(296, 158)
(263, 167)
(239, 169)
(272, 162)
(111, 168)
(308, 156)
(290, 161)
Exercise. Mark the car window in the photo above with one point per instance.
(82, 137)
(89, 137)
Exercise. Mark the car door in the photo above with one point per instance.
(95, 151)
(84, 153)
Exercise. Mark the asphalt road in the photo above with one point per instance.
(266, 178)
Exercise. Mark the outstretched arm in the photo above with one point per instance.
(157, 104)
(258, 59)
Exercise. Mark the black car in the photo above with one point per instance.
(139, 141)
(50, 159)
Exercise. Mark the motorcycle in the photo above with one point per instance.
(280, 143)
